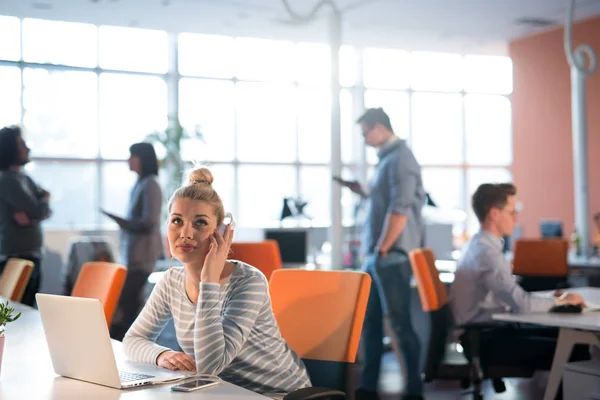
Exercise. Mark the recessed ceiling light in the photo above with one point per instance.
(40, 5)
(534, 22)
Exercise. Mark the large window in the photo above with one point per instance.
(85, 93)
(455, 114)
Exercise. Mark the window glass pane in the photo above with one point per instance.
(488, 130)
(133, 49)
(488, 74)
(261, 200)
(61, 112)
(117, 182)
(131, 107)
(348, 63)
(314, 63)
(395, 104)
(265, 60)
(72, 196)
(10, 100)
(315, 189)
(224, 184)
(478, 176)
(437, 128)
(445, 186)
(436, 71)
(351, 140)
(386, 68)
(10, 32)
(208, 105)
(266, 130)
(350, 201)
(314, 125)
(57, 42)
(206, 55)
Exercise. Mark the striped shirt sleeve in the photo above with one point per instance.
(221, 332)
(139, 340)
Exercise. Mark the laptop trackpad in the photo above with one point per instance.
(158, 373)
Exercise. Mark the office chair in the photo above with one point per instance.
(15, 278)
(320, 315)
(541, 263)
(263, 255)
(103, 281)
(442, 361)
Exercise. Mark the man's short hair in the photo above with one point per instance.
(374, 116)
(490, 195)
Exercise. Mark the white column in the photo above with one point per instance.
(579, 73)
(336, 231)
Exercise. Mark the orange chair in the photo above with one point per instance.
(320, 315)
(263, 255)
(102, 281)
(14, 278)
(442, 362)
(541, 257)
(541, 263)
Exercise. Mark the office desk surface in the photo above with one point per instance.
(589, 321)
(27, 372)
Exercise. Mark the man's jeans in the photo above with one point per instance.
(390, 295)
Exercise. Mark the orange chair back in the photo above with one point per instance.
(320, 313)
(541, 257)
(102, 281)
(263, 255)
(432, 291)
(15, 278)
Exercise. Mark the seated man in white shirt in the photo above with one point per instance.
(484, 285)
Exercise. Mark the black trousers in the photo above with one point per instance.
(130, 302)
(514, 345)
(33, 286)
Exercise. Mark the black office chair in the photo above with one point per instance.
(443, 360)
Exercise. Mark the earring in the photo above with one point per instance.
(171, 262)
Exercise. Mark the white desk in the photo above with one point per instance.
(27, 372)
(574, 329)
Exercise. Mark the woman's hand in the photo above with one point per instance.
(21, 218)
(176, 361)
(217, 255)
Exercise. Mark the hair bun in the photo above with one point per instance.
(201, 176)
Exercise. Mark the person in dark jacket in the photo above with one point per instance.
(23, 206)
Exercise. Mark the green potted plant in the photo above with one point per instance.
(170, 139)
(6, 315)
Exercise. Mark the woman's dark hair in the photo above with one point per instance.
(148, 161)
(9, 146)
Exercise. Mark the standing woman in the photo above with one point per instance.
(23, 206)
(141, 243)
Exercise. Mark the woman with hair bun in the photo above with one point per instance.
(221, 308)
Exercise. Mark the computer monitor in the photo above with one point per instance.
(293, 244)
(550, 229)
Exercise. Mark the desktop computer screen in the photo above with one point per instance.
(551, 229)
(293, 244)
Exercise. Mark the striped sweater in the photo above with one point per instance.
(231, 331)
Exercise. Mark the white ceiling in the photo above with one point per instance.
(482, 26)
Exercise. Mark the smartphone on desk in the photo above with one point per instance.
(196, 384)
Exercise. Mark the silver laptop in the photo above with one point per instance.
(81, 348)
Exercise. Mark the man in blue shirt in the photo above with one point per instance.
(393, 227)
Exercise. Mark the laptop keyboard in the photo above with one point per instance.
(132, 376)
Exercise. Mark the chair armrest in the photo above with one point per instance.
(310, 393)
